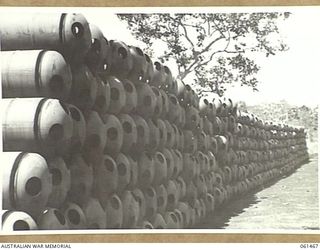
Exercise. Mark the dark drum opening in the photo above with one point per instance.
(173, 100)
(20, 225)
(75, 114)
(127, 128)
(56, 176)
(122, 169)
(140, 131)
(139, 51)
(115, 203)
(77, 29)
(158, 66)
(114, 94)
(56, 132)
(160, 158)
(166, 69)
(56, 84)
(122, 52)
(170, 198)
(60, 217)
(74, 216)
(160, 201)
(109, 165)
(127, 86)
(112, 133)
(33, 186)
(147, 58)
(147, 101)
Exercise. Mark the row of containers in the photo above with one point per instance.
(97, 136)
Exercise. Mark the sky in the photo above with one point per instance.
(292, 75)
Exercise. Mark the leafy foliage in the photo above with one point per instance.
(212, 50)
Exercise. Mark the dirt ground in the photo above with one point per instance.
(289, 203)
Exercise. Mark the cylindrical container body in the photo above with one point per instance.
(171, 220)
(117, 95)
(35, 73)
(81, 179)
(159, 222)
(158, 107)
(130, 134)
(16, 221)
(173, 195)
(139, 65)
(165, 103)
(151, 202)
(102, 101)
(79, 129)
(43, 125)
(105, 178)
(154, 135)
(139, 196)
(96, 216)
(134, 172)
(61, 181)
(95, 141)
(26, 182)
(52, 219)
(124, 172)
(121, 60)
(146, 101)
(149, 71)
(74, 215)
(130, 210)
(114, 134)
(162, 133)
(160, 165)
(159, 75)
(170, 135)
(146, 169)
(84, 87)
(97, 54)
(162, 198)
(67, 33)
(170, 162)
(131, 97)
(143, 133)
(114, 210)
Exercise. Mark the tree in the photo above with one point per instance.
(212, 50)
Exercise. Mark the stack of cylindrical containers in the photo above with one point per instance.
(98, 136)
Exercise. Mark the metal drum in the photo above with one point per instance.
(102, 101)
(61, 181)
(114, 134)
(131, 97)
(36, 125)
(96, 216)
(67, 33)
(121, 59)
(26, 182)
(84, 87)
(52, 219)
(17, 221)
(114, 210)
(74, 215)
(117, 95)
(130, 134)
(130, 208)
(98, 52)
(35, 73)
